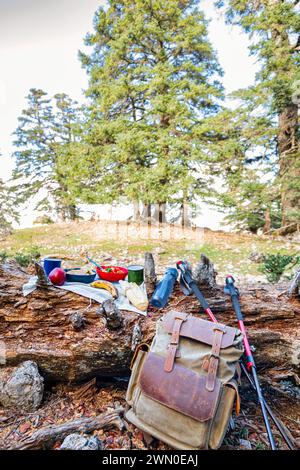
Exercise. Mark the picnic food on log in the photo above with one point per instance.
(108, 286)
(135, 294)
(112, 273)
(57, 276)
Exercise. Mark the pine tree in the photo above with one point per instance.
(8, 208)
(67, 122)
(269, 109)
(153, 95)
(41, 137)
(250, 203)
(247, 191)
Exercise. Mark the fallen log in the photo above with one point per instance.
(39, 328)
(48, 435)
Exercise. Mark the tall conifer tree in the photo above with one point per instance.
(269, 110)
(8, 208)
(153, 94)
(42, 136)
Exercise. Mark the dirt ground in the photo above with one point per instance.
(64, 402)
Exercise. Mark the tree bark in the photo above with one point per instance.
(48, 435)
(288, 147)
(146, 212)
(160, 213)
(149, 274)
(72, 212)
(39, 328)
(136, 211)
(267, 225)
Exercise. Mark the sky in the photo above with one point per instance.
(39, 43)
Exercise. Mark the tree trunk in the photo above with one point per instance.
(136, 211)
(39, 328)
(160, 213)
(267, 225)
(288, 147)
(185, 220)
(146, 212)
(72, 212)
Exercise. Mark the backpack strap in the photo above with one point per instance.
(141, 347)
(213, 365)
(173, 345)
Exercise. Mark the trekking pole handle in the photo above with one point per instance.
(187, 275)
(234, 293)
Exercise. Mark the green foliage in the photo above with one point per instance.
(44, 220)
(45, 132)
(25, 257)
(3, 256)
(259, 445)
(274, 266)
(8, 208)
(249, 203)
(266, 119)
(153, 96)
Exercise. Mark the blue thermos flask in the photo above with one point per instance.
(164, 288)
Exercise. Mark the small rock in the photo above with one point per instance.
(256, 257)
(79, 442)
(245, 444)
(77, 320)
(23, 389)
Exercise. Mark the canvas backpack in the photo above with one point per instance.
(182, 389)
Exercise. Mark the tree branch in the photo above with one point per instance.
(50, 434)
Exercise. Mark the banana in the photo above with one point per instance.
(106, 286)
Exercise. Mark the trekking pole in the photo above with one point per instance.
(278, 424)
(188, 283)
(234, 294)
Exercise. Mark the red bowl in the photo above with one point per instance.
(111, 276)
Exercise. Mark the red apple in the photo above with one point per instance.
(57, 276)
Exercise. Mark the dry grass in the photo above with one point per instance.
(126, 243)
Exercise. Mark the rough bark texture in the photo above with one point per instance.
(46, 436)
(205, 273)
(38, 328)
(149, 274)
(160, 213)
(288, 147)
(112, 315)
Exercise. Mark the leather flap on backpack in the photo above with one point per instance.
(181, 389)
(199, 330)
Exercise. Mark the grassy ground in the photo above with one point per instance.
(229, 251)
